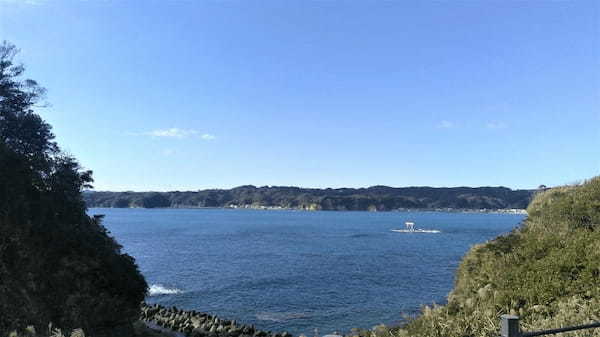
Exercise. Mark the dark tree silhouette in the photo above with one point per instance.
(57, 264)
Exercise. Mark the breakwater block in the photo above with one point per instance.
(198, 324)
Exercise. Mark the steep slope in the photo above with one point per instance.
(57, 264)
(548, 272)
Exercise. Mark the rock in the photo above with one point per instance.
(199, 324)
(198, 333)
(195, 322)
(234, 331)
(260, 333)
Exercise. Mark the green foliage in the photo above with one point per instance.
(377, 198)
(139, 330)
(576, 205)
(547, 272)
(59, 333)
(57, 264)
(154, 200)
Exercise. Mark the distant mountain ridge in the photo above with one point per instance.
(375, 198)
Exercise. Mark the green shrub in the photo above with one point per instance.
(547, 272)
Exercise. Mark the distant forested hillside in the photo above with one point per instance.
(376, 198)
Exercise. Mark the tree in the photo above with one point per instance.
(155, 200)
(57, 264)
(121, 203)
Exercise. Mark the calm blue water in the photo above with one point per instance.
(297, 271)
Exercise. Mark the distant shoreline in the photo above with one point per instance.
(407, 210)
(375, 199)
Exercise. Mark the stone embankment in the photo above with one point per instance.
(198, 324)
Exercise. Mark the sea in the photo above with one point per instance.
(299, 271)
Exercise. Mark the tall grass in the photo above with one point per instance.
(30, 331)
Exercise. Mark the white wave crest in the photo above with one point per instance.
(158, 289)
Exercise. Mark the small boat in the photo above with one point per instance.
(416, 231)
(410, 228)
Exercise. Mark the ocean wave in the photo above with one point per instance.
(158, 289)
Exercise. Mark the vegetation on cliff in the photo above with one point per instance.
(57, 264)
(547, 272)
(380, 198)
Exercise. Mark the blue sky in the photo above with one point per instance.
(186, 95)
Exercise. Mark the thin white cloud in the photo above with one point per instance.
(177, 133)
(446, 125)
(496, 125)
(172, 133)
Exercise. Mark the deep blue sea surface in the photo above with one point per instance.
(296, 270)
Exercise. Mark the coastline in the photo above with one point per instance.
(279, 208)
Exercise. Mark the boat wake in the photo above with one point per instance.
(158, 289)
(416, 231)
